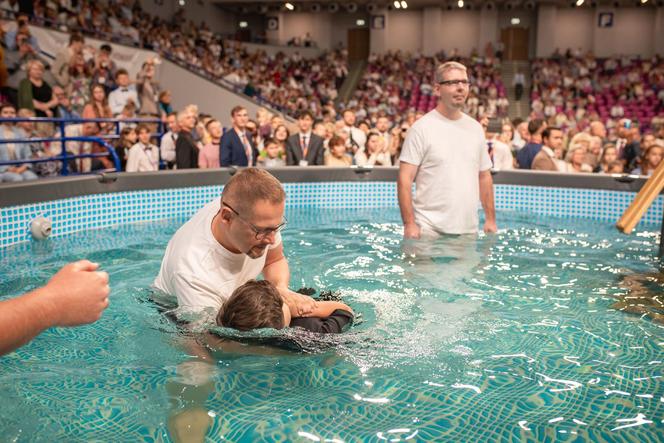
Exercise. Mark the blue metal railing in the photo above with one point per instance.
(64, 157)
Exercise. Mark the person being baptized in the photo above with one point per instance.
(258, 304)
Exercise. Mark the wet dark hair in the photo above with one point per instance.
(254, 305)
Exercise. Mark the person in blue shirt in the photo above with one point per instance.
(527, 154)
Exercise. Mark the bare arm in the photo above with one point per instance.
(326, 308)
(486, 197)
(74, 296)
(276, 272)
(407, 173)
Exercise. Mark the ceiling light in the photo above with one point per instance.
(579, 2)
(460, 3)
(404, 5)
(397, 4)
(289, 6)
(360, 22)
(515, 20)
(244, 24)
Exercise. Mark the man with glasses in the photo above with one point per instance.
(445, 154)
(229, 242)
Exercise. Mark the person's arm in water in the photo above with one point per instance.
(407, 173)
(76, 295)
(329, 317)
(276, 272)
(486, 197)
(326, 308)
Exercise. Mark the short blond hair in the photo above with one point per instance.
(448, 66)
(250, 186)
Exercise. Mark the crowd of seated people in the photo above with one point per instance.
(288, 83)
(572, 90)
(626, 147)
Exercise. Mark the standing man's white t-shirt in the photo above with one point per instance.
(450, 155)
(198, 270)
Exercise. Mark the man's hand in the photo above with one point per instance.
(298, 304)
(411, 230)
(490, 226)
(77, 294)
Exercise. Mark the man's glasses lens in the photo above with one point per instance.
(455, 82)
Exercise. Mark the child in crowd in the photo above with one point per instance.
(271, 156)
(143, 156)
(337, 155)
(127, 139)
(258, 304)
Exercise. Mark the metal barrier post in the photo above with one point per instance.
(65, 166)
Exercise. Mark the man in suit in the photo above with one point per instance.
(236, 147)
(545, 159)
(305, 148)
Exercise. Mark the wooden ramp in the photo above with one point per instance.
(642, 201)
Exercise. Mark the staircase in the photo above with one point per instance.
(508, 70)
(355, 73)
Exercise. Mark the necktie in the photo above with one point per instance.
(304, 146)
(247, 148)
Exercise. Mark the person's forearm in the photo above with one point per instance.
(486, 197)
(405, 196)
(326, 308)
(278, 273)
(23, 318)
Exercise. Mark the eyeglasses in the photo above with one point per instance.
(455, 83)
(260, 233)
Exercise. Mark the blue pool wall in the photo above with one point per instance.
(86, 212)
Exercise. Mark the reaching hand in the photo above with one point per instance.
(299, 305)
(77, 294)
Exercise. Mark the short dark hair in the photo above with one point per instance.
(305, 113)
(237, 109)
(534, 125)
(255, 304)
(106, 48)
(335, 141)
(142, 127)
(270, 141)
(212, 120)
(7, 105)
(547, 132)
(76, 38)
(120, 72)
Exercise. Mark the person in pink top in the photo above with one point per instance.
(208, 157)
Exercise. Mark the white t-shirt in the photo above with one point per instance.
(198, 270)
(502, 156)
(450, 155)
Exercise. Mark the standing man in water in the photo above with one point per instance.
(445, 154)
(228, 242)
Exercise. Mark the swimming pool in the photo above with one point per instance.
(506, 337)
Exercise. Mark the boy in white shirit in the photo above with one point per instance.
(143, 156)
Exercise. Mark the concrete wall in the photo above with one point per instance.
(327, 30)
(638, 30)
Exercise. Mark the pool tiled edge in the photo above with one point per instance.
(103, 210)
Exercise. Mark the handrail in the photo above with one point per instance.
(65, 156)
(63, 123)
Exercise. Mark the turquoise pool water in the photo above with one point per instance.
(502, 338)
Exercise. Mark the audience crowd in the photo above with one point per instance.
(588, 114)
(395, 83)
